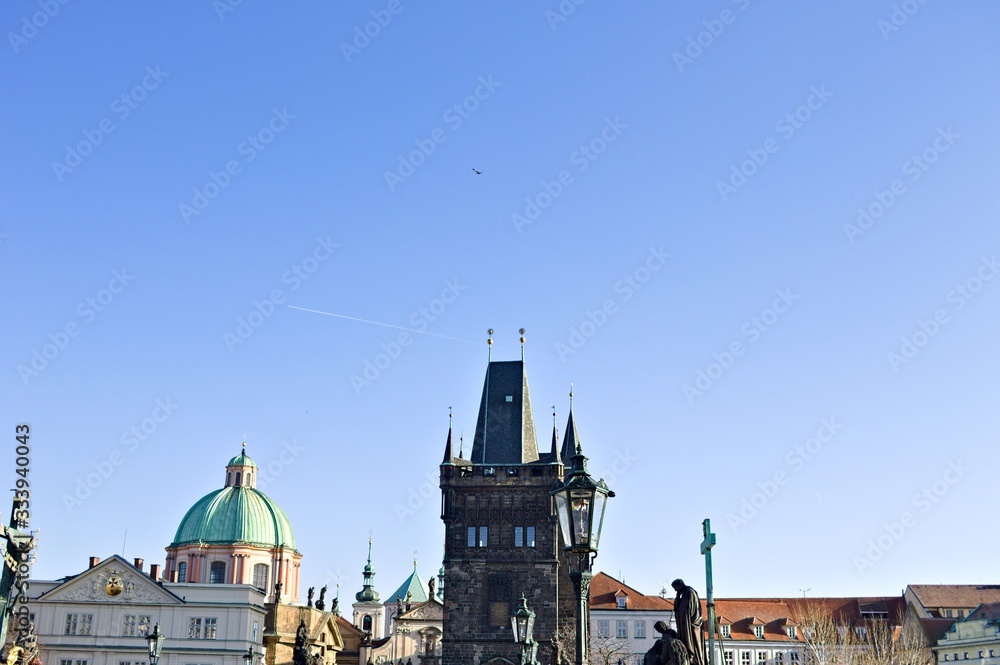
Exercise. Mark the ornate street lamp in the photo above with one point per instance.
(250, 658)
(154, 641)
(580, 503)
(523, 624)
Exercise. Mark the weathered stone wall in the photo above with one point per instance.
(483, 585)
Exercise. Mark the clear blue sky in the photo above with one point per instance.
(660, 182)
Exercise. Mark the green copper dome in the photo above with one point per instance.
(235, 515)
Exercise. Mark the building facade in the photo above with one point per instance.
(102, 616)
(621, 621)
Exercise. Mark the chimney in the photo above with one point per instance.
(173, 575)
(138, 563)
(94, 560)
(154, 571)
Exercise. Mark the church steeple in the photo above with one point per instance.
(368, 592)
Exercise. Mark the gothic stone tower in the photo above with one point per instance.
(501, 533)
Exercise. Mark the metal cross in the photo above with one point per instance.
(706, 549)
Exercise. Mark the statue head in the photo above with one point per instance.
(661, 627)
(678, 585)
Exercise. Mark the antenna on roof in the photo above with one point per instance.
(804, 591)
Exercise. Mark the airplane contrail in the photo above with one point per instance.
(384, 325)
(467, 341)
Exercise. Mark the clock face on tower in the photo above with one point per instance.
(114, 586)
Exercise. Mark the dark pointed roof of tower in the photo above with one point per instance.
(448, 457)
(570, 439)
(554, 453)
(505, 431)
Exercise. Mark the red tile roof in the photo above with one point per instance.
(955, 595)
(777, 614)
(605, 589)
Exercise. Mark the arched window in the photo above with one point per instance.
(260, 575)
(366, 623)
(217, 573)
(237, 478)
(182, 571)
(229, 477)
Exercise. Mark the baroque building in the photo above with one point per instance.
(501, 532)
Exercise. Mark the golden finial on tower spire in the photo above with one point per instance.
(522, 343)
(489, 343)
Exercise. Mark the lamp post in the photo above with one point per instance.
(523, 624)
(154, 641)
(249, 658)
(580, 503)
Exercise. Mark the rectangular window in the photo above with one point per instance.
(256, 627)
(621, 629)
(758, 631)
(128, 625)
(194, 628)
(143, 626)
(131, 662)
(793, 657)
(210, 625)
(524, 536)
(745, 658)
(726, 632)
(78, 624)
(727, 658)
(622, 602)
(947, 614)
(946, 657)
(603, 628)
(761, 657)
(779, 657)
(640, 630)
(471, 541)
(483, 536)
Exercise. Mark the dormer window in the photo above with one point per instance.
(758, 631)
(622, 602)
(726, 632)
(791, 631)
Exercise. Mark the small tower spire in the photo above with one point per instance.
(448, 457)
(461, 440)
(554, 453)
(571, 440)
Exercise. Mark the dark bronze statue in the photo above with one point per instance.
(687, 610)
(668, 650)
(277, 592)
(309, 597)
(321, 603)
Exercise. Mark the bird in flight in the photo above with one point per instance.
(477, 172)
